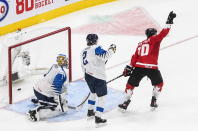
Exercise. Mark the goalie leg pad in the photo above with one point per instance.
(62, 103)
(45, 100)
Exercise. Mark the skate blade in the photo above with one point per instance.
(29, 117)
(121, 110)
(153, 108)
(100, 125)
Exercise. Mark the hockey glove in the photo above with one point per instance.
(170, 18)
(127, 71)
(112, 47)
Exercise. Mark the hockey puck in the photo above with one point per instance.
(18, 89)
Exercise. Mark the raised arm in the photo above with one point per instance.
(103, 54)
(166, 29)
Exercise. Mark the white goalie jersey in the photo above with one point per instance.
(52, 84)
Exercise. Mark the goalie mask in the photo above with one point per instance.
(62, 60)
(150, 32)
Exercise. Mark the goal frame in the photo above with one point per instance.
(32, 40)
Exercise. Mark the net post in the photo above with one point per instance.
(70, 54)
(10, 75)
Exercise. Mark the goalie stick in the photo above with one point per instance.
(85, 99)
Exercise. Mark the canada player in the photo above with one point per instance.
(145, 63)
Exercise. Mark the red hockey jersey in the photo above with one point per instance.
(146, 54)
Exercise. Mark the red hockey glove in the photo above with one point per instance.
(127, 71)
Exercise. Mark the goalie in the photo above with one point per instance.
(50, 92)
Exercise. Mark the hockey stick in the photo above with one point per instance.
(81, 104)
(85, 99)
(115, 78)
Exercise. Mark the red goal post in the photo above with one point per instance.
(68, 29)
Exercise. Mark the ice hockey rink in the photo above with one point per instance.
(123, 23)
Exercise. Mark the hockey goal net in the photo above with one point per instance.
(29, 55)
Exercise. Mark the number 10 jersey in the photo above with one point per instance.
(147, 52)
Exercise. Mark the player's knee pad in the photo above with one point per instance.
(159, 86)
(101, 101)
(129, 87)
(92, 96)
(129, 91)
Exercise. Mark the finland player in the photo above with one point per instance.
(144, 63)
(93, 60)
(50, 91)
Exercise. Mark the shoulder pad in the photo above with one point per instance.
(100, 51)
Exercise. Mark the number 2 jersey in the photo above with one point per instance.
(147, 52)
(93, 60)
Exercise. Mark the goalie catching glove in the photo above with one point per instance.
(127, 71)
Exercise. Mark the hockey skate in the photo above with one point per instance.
(100, 122)
(153, 103)
(33, 115)
(123, 107)
(90, 114)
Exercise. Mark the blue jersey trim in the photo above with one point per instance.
(100, 109)
(91, 102)
(100, 51)
(58, 83)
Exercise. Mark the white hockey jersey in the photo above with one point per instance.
(53, 82)
(93, 60)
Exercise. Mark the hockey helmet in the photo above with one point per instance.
(150, 32)
(62, 60)
(92, 39)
